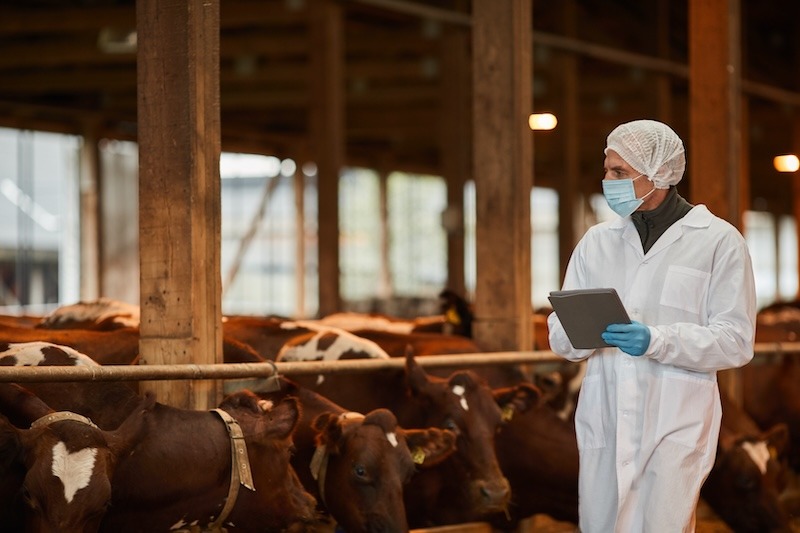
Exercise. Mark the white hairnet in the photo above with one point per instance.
(651, 148)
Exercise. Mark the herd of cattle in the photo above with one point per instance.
(374, 453)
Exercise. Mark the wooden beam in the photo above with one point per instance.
(327, 131)
(179, 184)
(715, 107)
(503, 169)
(569, 193)
(91, 273)
(456, 146)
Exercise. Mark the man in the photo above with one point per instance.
(648, 415)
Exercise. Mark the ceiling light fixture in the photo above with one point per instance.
(542, 121)
(786, 163)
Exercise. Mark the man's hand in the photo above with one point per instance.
(633, 338)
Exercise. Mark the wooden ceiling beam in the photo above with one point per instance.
(242, 13)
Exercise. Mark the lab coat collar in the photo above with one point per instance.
(698, 217)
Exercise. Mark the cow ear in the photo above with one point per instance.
(431, 446)
(383, 418)
(125, 437)
(329, 429)
(777, 438)
(416, 377)
(10, 445)
(284, 418)
(517, 399)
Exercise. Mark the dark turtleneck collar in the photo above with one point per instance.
(652, 224)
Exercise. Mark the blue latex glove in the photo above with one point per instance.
(633, 338)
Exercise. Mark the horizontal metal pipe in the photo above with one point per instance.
(264, 370)
(258, 370)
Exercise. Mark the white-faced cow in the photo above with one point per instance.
(57, 475)
(181, 470)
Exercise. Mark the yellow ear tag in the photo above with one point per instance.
(418, 455)
(773, 453)
(452, 316)
(508, 412)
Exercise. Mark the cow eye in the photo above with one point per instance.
(746, 482)
(450, 424)
(26, 495)
(360, 471)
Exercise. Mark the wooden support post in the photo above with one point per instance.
(569, 189)
(503, 169)
(300, 245)
(796, 186)
(179, 187)
(90, 271)
(327, 106)
(456, 146)
(715, 83)
(715, 143)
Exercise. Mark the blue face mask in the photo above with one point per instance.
(621, 196)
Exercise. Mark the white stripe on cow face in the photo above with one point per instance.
(392, 438)
(759, 453)
(73, 469)
(459, 391)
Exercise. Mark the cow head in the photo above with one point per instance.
(68, 465)
(279, 498)
(744, 485)
(464, 404)
(364, 461)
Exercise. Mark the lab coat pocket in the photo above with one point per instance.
(685, 409)
(589, 420)
(685, 288)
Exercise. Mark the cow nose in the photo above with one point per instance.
(494, 495)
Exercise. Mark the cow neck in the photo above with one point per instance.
(59, 416)
(240, 467)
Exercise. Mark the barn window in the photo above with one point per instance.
(418, 245)
(393, 246)
(262, 209)
(360, 235)
(544, 242)
(773, 248)
(39, 240)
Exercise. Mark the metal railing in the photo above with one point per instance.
(264, 370)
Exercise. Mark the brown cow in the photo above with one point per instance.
(148, 496)
(103, 314)
(469, 484)
(356, 465)
(112, 347)
(745, 485)
(63, 465)
(538, 452)
(771, 383)
(180, 473)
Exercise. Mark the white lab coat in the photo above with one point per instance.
(647, 426)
